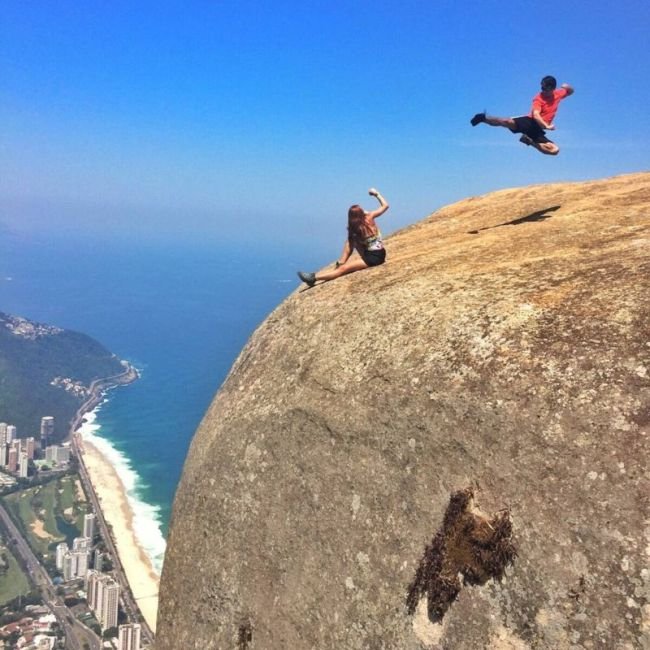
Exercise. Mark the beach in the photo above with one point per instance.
(112, 494)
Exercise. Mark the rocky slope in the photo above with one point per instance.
(503, 350)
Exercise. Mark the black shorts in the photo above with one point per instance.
(374, 258)
(530, 127)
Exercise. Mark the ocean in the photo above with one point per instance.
(179, 312)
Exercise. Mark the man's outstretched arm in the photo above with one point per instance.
(568, 88)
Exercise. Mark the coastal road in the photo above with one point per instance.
(76, 634)
(130, 606)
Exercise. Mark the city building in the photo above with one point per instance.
(3, 433)
(11, 433)
(129, 637)
(12, 459)
(89, 582)
(99, 560)
(81, 544)
(23, 465)
(80, 563)
(76, 562)
(30, 447)
(58, 455)
(61, 550)
(89, 526)
(68, 568)
(4, 454)
(47, 429)
(103, 595)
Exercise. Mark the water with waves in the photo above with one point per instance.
(179, 312)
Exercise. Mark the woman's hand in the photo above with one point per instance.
(373, 192)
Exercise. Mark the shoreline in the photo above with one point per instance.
(97, 390)
(132, 567)
(112, 496)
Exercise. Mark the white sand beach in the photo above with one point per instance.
(143, 579)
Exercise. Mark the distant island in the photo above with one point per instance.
(46, 370)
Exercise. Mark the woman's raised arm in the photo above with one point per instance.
(382, 202)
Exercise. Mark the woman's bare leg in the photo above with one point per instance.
(357, 264)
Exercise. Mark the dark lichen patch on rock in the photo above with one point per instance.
(470, 545)
(244, 636)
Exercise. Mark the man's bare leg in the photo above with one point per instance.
(549, 148)
(482, 118)
(506, 122)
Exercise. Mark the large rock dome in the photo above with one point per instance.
(502, 351)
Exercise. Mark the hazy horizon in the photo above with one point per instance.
(242, 120)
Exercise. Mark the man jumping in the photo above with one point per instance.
(541, 116)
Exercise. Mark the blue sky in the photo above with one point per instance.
(266, 120)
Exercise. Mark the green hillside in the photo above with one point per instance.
(32, 356)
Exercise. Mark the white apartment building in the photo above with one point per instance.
(57, 454)
(81, 543)
(68, 568)
(129, 637)
(89, 526)
(23, 465)
(76, 562)
(11, 433)
(80, 563)
(61, 550)
(103, 595)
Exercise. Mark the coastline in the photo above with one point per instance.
(111, 492)
(115, 515)
(96, 391)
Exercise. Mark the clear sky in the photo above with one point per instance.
(266, 120)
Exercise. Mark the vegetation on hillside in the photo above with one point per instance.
(32, 356)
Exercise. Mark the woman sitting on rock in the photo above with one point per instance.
(364, 236)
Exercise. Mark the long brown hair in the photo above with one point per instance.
(358, 228)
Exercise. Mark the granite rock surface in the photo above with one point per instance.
(504, 348)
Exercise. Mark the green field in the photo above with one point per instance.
(13, 582)
(48, 514)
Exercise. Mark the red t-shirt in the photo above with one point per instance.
(548, 107)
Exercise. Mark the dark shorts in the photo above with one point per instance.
(374, 258)
(529, 127)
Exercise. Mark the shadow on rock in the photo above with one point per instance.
(540, 215)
